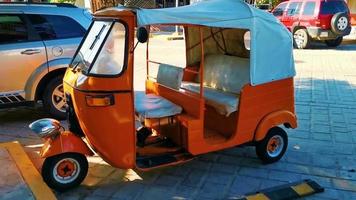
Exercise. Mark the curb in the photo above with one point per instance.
(31, 176)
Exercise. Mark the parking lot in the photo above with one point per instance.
(322, 148)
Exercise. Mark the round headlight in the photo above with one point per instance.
(46, 127)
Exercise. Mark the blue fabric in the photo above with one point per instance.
(271, 43)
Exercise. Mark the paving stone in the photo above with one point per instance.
(194, 178)
(168, 180)
(211, 190)
(185, 192)
(254, 172)
(243, 185)
(129, 190)
(342, 184)
(225, 168)
(284, 176)
(219, 178)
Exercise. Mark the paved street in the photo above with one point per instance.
(323, 148)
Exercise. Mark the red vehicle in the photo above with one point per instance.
(323, 20)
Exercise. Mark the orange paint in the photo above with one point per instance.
(66, 142)
(110, 130)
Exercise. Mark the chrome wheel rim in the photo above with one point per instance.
(275, 146)
(58, 99)
(342, 23)
(299, 38)
(66, 170)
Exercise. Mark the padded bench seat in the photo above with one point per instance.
(224, 77)
(223, 102)
(154, 106)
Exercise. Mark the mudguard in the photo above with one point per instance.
(64, 143)
(274, 119)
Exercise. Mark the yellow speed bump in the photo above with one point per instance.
(28, 171)
(287, 191)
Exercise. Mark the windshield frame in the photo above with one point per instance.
(87, 71)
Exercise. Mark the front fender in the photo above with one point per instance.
(275, 119)
(40, 73)
(66, 142)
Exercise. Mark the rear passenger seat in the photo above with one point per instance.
(224, 77)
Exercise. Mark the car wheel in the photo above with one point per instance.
(53, 98)
(64, 171)
(301, 39)
(273, 146)
(340, 23)
(334, 43)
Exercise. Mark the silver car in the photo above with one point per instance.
(37, 42)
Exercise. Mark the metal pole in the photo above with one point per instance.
(176, 32)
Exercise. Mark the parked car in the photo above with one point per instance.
(309, 20)
(37, 42)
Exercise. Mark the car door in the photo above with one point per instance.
(308, 15)
(292, 14)
(60, 34)
(21, 53)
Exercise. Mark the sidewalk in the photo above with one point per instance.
(19, 179)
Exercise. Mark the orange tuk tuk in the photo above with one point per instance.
(236, 89)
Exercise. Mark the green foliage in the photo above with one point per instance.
(63, 1)
(274, 2)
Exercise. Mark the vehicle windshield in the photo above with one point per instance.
(103, 50)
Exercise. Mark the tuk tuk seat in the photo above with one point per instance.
(224, 77)
(148, 106)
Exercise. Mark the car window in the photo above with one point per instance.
(333, 7)
(309, 8)
(56, 27)
(294, 8)
(12, 29)
(278, 11)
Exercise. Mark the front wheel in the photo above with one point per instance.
(64, 171)
(53, 98)
(301, 39)
(273, 146)
(334, 43)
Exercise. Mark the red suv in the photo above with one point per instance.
(324, 20)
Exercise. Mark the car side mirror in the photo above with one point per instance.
(142, 34)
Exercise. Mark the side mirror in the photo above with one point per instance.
(142, 34)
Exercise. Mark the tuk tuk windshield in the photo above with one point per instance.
(103, 50)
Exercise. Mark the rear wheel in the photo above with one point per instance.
(273, 146)
(64, 171)
(334, 43)
(340, 23)
(301, 39)
(53, 98)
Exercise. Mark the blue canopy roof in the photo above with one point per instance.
(271, 56)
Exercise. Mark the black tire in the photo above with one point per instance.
(48, 103)
(334, 43)
(340, 23)
(50, 164)
(301, 39)
(262, 146)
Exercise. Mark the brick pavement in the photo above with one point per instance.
(322, 148)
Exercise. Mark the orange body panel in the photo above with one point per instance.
(110, 130)
(275, 119)
(353, 19)
(64, 143)
(256, 102)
